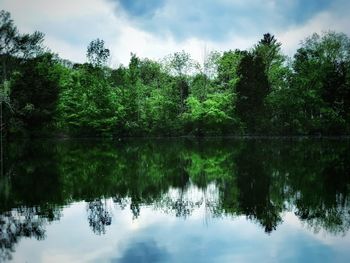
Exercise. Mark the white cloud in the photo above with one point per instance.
(64, 49)
(43, 10)
(334, 19)
(70, 25)
(67, 25)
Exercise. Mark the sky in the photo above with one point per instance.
(156, 28)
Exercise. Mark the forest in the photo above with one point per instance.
(259, 91)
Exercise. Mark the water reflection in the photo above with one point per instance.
(260, 179)
(145, 251)
(22, 222)
(98, 216)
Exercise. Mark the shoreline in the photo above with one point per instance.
(198, 138)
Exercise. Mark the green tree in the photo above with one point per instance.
(34, 93)
(211, 117)
(15, 45)
(276, 67)
(201, 86)
(97, 54)
(278, 72)
(88, 105)
(252, 89)
(321, 78)
(227, 70)
(6, 108)
(180, 65)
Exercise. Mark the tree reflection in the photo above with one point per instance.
(254, 184)
(18, 223)
(180, 202)
(259, 179)
(322, 192)
(30, 194)
(98, 216)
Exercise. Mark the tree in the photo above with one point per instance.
(150, 73)
(88, 105)
(200, 86)
(276, 67)
(278, 73)
(227, 69)
(97, 54)
(270, 51)
(132, 97)
(252, 88)
(34, 92)
(15, 45)
(179, 64)
(210, 64)
(321, 78)
(14, 48)
(212, 116)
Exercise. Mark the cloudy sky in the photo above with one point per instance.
(155, 28)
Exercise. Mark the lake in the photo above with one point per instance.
(176, 200)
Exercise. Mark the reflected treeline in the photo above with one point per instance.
(18, 223)
(256, 178)
(30, 194)
(99, 217)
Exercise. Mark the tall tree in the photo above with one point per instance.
(227, 69)
(97, 54)
(180, 65)
(15, 45)
(252, 88)
(278, 73)
(270, 51)
(34, 92)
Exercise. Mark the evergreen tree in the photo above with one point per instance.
(252, 88)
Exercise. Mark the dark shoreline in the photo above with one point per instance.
(198, 138)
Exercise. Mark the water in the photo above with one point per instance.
(212, 200)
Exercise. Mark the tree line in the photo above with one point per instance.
(256, 91)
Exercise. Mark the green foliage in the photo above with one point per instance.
(227, 69)
(34, 91)
(201, 86)
(88, 106)
(275, 62)
(321, 76)
(159, 114)
(254, 92)
(212, 116)
(252, 89)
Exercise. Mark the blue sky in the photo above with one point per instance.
(155, 28)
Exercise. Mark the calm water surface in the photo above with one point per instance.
(176, 201)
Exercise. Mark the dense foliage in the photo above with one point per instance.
(259, 91)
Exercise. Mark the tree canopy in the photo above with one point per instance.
(259, 91)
